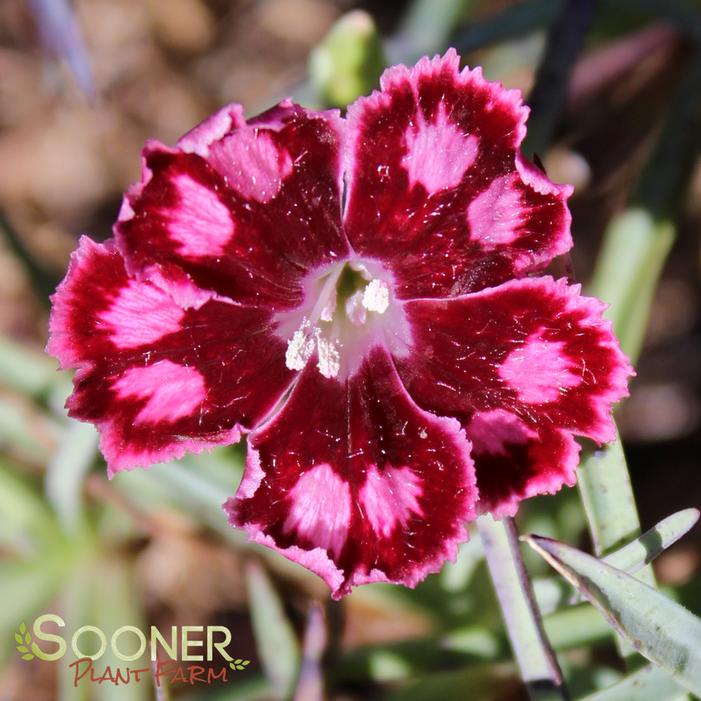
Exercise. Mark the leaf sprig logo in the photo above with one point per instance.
(178, 655)
(23, 638)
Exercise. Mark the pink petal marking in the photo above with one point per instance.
(200, 223)
(494, 216)
(438, 154)
(515, 461)
(540, 371)
(320, 508)
(141, 314)
(482, 214)
(171, 391)
(492, 431)
(378, 492)
(390, 497)
(252, 163)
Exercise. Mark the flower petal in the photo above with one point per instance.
(515, 460)
(159, 377)
(245, 209)
(438, 187)
(355, 482)
(213, 129)
(526, 360)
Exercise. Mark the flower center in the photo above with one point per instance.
(347, 305)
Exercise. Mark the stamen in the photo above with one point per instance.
(329, 358)
(301, 346)
(351, 288)
(376, 296)
(355, 311)
(328, 311)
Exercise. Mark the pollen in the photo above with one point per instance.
(307, 339)
(376, 296)
(301, 346)
(329, 362)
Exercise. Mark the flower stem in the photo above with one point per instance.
(536, 660)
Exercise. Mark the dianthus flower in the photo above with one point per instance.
(361, 297)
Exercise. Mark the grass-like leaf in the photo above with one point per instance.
(647, 684)
(552, 593)
(660, 629)
(67, 470)
(649, 545)
(275, 637)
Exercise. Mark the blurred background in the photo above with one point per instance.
(615, 89)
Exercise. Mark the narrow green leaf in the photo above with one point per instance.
(18, 638)
(67, 469)
(275, 638)
(643, 550)
(634, 250)
(607, 495)
(660, 629)
(647, 684)
(23, 648)
(551, 593)
(28, 656)
(606, 491)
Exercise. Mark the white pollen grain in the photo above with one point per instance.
(300, 347)
(329, 358)
(376, 296)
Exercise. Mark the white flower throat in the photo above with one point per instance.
(347, 297)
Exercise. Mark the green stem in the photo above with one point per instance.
(536, 660)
